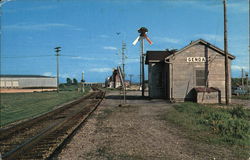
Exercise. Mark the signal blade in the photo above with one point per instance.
(136, 40)
(149, 41)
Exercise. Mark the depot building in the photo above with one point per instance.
(193, 73)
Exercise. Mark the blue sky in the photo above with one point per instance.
(86, 31)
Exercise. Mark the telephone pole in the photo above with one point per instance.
(57, 50)
(123, 59)
(142, 66)
(246, 74)
(226, 54)
(82, 83)
(242, 78)
(140, 72)
(141, 38)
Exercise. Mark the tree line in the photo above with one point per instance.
(69, 81)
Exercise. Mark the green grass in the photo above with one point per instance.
(19, 106)
(243, 97)
(207, 124)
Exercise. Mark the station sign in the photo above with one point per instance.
(196, 59)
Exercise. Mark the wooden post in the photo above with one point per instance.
(142, 65)
(57, 50)
(226, 55)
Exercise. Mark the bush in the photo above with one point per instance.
(236, 128)
(228, 125)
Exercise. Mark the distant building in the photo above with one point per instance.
(177, 75)
(32, 82)
(114, 80)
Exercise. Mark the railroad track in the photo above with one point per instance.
(40, 137)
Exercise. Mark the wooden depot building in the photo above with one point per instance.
(194, 73)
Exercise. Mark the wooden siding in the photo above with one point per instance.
(184, 76)
(156, 75)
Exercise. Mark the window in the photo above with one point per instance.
(15, 83)
(2, 84)
(8, 84)
(200, 78)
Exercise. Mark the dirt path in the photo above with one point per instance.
(245, 103)
(133, 132)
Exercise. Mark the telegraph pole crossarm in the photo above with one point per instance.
(123, 58)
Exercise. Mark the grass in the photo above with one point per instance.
(243, 97)
(214, 125)
(19, 106)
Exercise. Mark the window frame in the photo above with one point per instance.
(200, 77)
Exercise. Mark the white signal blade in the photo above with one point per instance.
(136, 40)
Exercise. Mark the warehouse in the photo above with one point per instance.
(9, 83)
(180, 75)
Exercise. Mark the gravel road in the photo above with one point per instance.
(135, 131)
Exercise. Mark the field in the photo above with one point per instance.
(218, 125)
(19, 106)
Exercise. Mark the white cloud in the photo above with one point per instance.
(134, 60)
(47, 74)
(109, 48)
(166, 40)
(236, 6)
(65, 75)
(100, 69)
(40, 27)
(210, 37)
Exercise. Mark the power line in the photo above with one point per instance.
(28, 56)
(38, 56)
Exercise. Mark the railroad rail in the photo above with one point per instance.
(40, 137)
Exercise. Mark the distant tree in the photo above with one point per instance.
(68, 81)
(75, 82)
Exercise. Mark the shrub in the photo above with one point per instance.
(236, 128)
(227, 125)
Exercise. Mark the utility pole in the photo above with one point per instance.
(142, 66)
(226, 54)
(57, 50)
(141, 38)
(123, 59)
(82, 83)
(247, 82)
(140, 72)
(242, 78)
